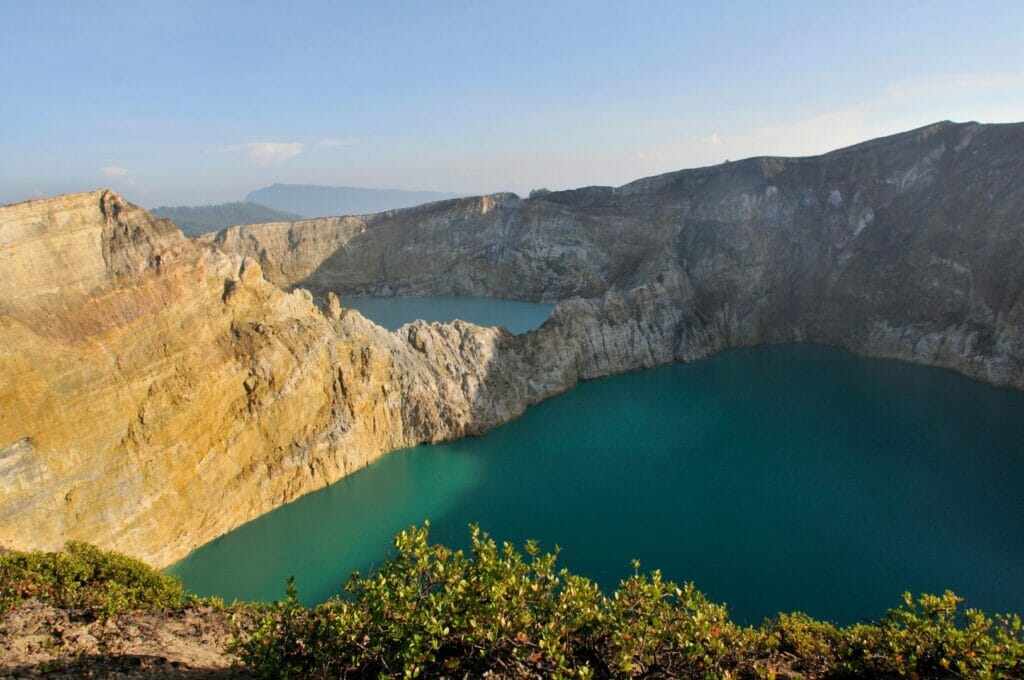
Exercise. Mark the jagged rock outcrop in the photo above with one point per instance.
(157, 391)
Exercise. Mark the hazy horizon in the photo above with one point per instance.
(195, 103)
(249, 199)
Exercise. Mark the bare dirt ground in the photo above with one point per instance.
(37, 639)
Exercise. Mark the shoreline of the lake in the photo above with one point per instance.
(456, 483)
(516, 316)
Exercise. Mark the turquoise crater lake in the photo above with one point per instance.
(392, 312)
(777, 478)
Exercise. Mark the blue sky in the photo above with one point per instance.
(196, 102)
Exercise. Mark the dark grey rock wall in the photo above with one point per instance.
(908, 246)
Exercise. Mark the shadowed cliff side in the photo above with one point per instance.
(906, 246)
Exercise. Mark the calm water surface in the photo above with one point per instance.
(776, 478)
(392, 312)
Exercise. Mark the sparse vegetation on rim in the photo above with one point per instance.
(431, 611)
(84, 577)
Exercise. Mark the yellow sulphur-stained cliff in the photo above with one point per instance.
(155, 393)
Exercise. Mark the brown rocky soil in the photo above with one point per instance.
(37, 639)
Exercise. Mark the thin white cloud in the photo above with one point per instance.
(713, 140)
(953, 85)
(329, 142)
(113, 171)
(265, 153)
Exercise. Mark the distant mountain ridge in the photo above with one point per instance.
(202, 219)
(311, 200)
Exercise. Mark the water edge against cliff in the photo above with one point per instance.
(393, 312)
(776, 478)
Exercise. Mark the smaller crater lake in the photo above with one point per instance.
(776, 478)
(392, 312)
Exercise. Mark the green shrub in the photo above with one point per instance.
(431, 612)
(931, 638)
(813, 647)
(84, 577)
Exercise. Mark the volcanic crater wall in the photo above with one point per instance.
(908, 246)
(156, 391)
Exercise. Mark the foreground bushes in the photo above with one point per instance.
(431, 611)
(83, 577)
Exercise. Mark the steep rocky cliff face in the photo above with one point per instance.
(157, 391)
(907, 246)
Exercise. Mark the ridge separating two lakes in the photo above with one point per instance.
(777, 478)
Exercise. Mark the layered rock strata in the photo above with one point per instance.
(156, 391)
